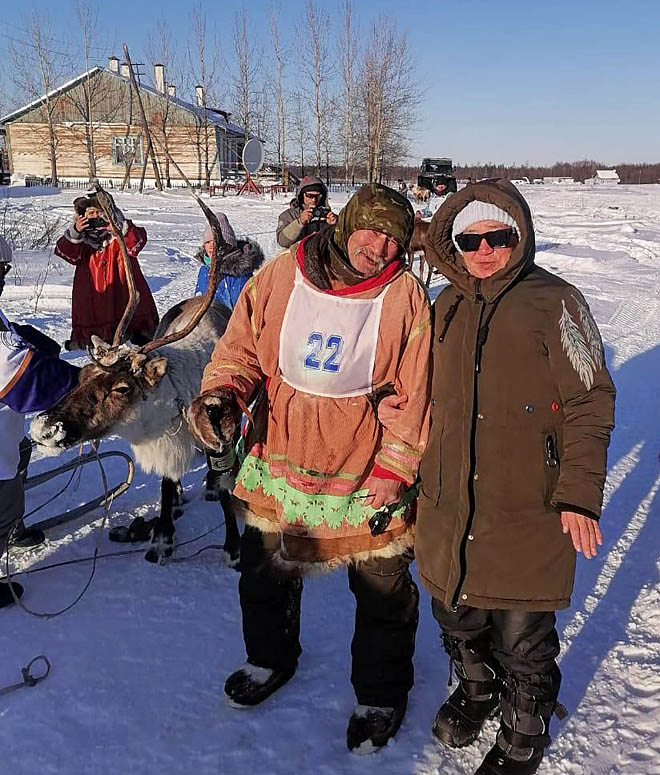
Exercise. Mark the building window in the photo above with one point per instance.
(127, 149)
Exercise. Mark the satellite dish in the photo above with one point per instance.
(253, 156)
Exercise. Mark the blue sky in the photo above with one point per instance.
(506, 81)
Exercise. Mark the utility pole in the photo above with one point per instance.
(151, 151)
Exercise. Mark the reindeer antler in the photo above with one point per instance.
(133, 294)
(222, 247)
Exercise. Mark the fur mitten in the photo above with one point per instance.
(213, 418)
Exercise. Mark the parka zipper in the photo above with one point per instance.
(473, 434)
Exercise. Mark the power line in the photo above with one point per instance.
(66, 43)
(93, 49)
(46, 47)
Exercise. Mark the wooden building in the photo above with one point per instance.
(604, 177)
(96, 132)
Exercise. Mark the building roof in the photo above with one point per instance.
(211, 116)
(53, 93)
(607, 174)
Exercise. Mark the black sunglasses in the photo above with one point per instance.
(496, 239)
(4, 268)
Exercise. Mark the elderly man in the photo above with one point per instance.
(512, 480)
(325, 327)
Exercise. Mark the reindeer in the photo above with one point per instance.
(142, 395)
(420, 194)
(418, 245)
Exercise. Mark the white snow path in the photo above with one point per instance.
(138, 665)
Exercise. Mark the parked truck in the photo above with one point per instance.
(434, 172)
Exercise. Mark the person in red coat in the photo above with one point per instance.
(100, 293)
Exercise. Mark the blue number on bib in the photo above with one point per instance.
(335, 344)
(316, 344)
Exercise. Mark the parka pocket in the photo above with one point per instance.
(551, 465)
(430, 469)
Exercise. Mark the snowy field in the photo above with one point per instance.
(139, 663)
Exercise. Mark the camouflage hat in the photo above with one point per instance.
(379, 208)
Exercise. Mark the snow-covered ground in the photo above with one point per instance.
(139, 663)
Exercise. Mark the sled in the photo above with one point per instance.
(101, 500)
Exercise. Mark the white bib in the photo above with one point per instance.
(328, 343)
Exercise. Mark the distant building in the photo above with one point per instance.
(99, 133)
(604, 177)
(558, 180)
(520, 181)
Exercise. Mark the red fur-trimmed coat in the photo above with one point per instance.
(99, 287)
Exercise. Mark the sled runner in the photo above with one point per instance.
(101, 500)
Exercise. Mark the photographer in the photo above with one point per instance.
(100, 292)
(309, 214)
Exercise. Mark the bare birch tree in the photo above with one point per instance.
(279, 54)
(161, 50)
(328, 132)
(91, 102)
(348, 53)
(88, 20)
(299, 126)
(263, 116)
(316, 67)
(37, 69)
(204, 65)
(246, 69)
(388, 97)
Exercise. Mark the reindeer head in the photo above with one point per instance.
(111, 392)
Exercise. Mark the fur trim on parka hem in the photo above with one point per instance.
(394, 547)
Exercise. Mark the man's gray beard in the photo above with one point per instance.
(379, 259)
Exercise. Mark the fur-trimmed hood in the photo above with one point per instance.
(311, 182)
(245, 259)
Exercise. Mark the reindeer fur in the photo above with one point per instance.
(165, 382)
(418, 245)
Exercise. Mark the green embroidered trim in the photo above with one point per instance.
(312, 510)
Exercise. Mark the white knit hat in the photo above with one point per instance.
(480, 211)
(5, 251)
(225, 228)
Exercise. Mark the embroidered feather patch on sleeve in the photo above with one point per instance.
(584, 351)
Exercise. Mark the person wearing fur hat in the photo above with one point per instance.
(235, 270)
(32, 379)
(307, 213)
(236, 267)
(512, 479)
(326, 328)
(100, 293)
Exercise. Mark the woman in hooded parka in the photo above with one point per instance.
(512, 478)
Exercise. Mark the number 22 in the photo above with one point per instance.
(333, 344)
